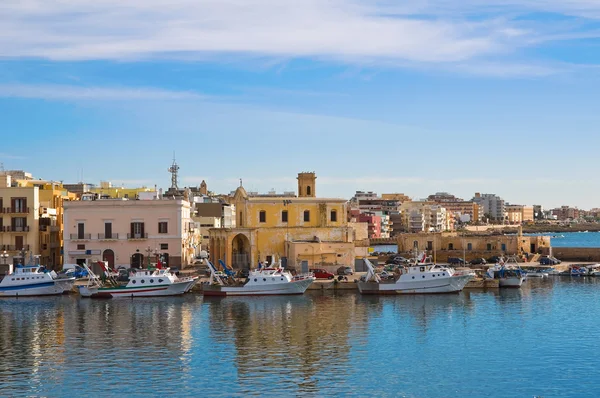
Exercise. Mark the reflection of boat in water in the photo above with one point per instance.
(262, 281)
(33, 280)
(508, 275)
(142, 283)
(416, 278)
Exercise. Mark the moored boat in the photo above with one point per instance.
(416, 278)
(34, 280)
(142, 283)
(260, 282)
(508, 275)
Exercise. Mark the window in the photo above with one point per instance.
(137, 230)
(416, 244)
(80, 230)
(262, 216)
(162, 227)
(19, 224)
(108, 230)
(469, 246)
(306, 215)
(333, 216)
(284, 216)
(164, 246)
(450, 246)
(19, 205)
(151, 280)
(80, 247)
(308, 191)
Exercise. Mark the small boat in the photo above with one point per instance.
(593, 270)
(509, 274)
(578, 270)
(538, 272)
(262, 281)
(34, 280)
(422, 277)
(142, 283)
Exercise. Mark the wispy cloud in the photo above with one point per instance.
(358, 32)
(69, 92)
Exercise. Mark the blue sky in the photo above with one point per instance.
(471, 96)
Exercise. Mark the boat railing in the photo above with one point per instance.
(303, 276)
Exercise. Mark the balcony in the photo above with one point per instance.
(8, 228)
(137, 236)
(81, 236)
(54, 228)
(108, 236)
(16, 210)
(12, 248)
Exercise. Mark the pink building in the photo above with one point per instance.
(129, 233)
(374, 224)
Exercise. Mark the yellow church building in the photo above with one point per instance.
(293, 229)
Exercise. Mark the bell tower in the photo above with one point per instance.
(306, 184)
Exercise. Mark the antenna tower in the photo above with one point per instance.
(173, 170)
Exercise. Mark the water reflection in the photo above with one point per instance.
(318, 344)
(302, 340)
(43, 339)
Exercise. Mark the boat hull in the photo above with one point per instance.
(49, 288)
(175, 289)
(511, 282)
(451, 284)
(287, 288)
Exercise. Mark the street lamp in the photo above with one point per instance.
(4, 256)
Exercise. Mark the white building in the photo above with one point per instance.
(130, 233)
(493, 205)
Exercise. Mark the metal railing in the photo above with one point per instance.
(16, 210)
(137, 236)
(8, 228)
(14, 247)
(113, 236)
(81, 236)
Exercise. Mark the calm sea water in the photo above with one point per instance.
(558, 239)
(540, 340)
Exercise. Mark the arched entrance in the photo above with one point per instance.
(241, 252)
(137, 260)
(109, 255)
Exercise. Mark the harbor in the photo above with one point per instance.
(322, 343)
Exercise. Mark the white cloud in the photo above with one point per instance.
(68, 92)
(446, 33)
(344, 30)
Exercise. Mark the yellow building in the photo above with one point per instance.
(107, 191)
(33, 218)
(19, 221)
(453, 244)
(291, 228)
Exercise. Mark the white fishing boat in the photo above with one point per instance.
(260, 282)
(533, 271)
(417, 278)
(34, 280)
(509, 274)
(593, 270)
(142, 283)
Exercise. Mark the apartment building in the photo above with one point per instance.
(130, 233)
